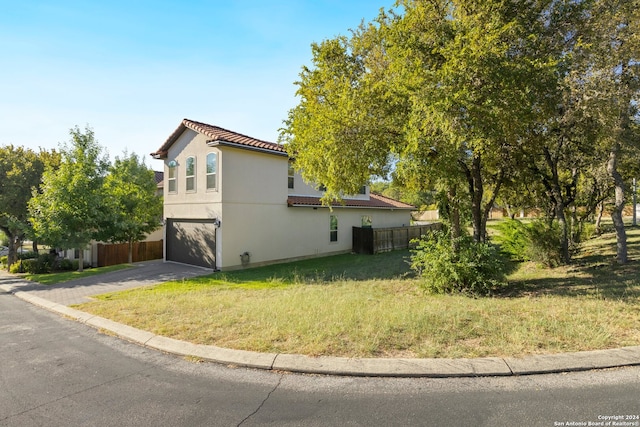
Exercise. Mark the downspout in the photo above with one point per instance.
(217, 224)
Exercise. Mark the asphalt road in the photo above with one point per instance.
(57, 372)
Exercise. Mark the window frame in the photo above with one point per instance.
(291, 173)
(333, 229)
(214, 173)
(366, 221)
(172, 178)
(190, 178)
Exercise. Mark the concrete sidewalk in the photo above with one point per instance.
(57, 298)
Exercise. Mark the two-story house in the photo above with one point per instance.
(231, 200)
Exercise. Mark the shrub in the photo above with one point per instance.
(33, 266)
(16, 267)
(539, 241)
(4, 260)
(476, 268)
(65, 265)
(545, 243)
(47, 263)
(76, 264)
(513, 239)
(27, 255)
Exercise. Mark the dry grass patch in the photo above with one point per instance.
(371, 306)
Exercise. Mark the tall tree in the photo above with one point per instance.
(132, 205)
(69, 207)
(20, 172)
(612, 52)
(439, 89)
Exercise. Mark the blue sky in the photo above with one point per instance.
(132, 70)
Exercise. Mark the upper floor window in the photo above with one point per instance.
(171, 180)
(333, 228)
(290, 174)
(212, 166)
(363, 190)
(190, 175)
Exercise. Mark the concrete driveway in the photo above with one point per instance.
(79, 290)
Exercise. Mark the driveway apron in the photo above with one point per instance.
(80, 290)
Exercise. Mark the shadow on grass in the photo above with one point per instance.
(594, 272)
(613, 282)
(389, 265)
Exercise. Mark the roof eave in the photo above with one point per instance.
(159, 155)
(216, 142)
(389, 208)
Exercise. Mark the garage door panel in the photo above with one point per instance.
(191, 242)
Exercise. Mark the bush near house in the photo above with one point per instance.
(475, 269)
(42, 264)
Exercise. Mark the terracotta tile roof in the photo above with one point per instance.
(220, 136)
(375, 201)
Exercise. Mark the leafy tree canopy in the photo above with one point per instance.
(69, 207)
(132, 206)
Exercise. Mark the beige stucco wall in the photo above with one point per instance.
(251, 202)
(278, 232)
(198, 203)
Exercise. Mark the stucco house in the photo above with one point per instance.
(231, 200)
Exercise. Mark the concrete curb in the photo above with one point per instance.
(377, 367)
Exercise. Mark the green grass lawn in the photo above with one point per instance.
(65, 276)
(372, 306)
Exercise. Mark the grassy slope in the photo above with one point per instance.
(371, 306)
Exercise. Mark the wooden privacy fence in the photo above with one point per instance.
(374, 240)
(113, 254)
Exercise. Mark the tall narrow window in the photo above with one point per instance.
(212, 166)
(171, 180)
(333, 228)
(290, 174)
(191, 173)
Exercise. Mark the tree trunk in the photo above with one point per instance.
(618, 207)
(80, 260)
(14, 245)
(564, 229)
(477, 192)
(599, 219)
(560, 201)
(454, 213)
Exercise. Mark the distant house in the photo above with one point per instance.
(231, 200)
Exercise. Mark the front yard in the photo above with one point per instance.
(371, 306)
